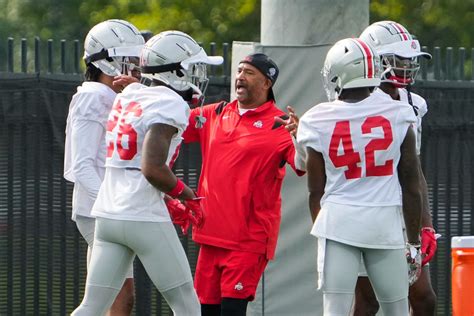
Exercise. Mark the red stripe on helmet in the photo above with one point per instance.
(403, 32)
(368, 56)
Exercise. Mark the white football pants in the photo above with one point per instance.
(387, 271)
(86, 226)
(157, 245)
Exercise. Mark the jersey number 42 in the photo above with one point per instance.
(351, 159)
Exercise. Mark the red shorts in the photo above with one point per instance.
(227, 273)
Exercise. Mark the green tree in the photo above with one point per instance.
(210, 20)
(435, 22)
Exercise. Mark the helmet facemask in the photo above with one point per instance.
(399, 71)
(189, 74)
(130, 66)
(331, 84)
(112, 63)
(176, 60)
(399, 51)
(192, 81)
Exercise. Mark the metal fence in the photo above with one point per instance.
(65, 57)
(459, 69)
(42, 256)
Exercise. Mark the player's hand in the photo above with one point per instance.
(428, 244)
(413, 256)
(179, 213)
(124, 80)
(291, 124)
(196, 213)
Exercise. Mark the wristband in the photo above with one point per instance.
(430, 229)
(177, 190)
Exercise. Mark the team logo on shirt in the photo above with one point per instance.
(239, 286)
(258, 124)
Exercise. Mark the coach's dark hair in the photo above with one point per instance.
(92, 73)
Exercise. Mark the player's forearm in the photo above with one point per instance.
(86, 140)
(163, 178)
(159, 176)
(412, 205)
(409, 175)
(315, 204)
(154, 165)
(316, 180)
(426, 219)
(86, 176)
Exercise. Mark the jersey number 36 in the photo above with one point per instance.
(124, 137)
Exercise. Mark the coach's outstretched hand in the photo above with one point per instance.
(291, 124)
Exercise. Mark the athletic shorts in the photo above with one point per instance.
(227, 273)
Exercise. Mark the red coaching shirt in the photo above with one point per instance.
(244, 159)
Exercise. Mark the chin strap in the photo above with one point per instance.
(410, 100)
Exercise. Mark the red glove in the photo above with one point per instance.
(179, 214)
(428, 244)
(195, 211)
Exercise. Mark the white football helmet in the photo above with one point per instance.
(176, 59)
(350, 63)
(111, 44)
(398, 50)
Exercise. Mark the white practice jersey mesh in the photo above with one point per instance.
(134, 111)
(85, 150)
(125, 193)
(360, 143)
(92, 102)
(422, 109)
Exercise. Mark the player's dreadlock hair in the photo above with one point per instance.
(92, 73)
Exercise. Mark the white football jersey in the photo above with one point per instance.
(134, 111)
(360, 143)
(125, 193)
(85, 150)
(421, 108)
